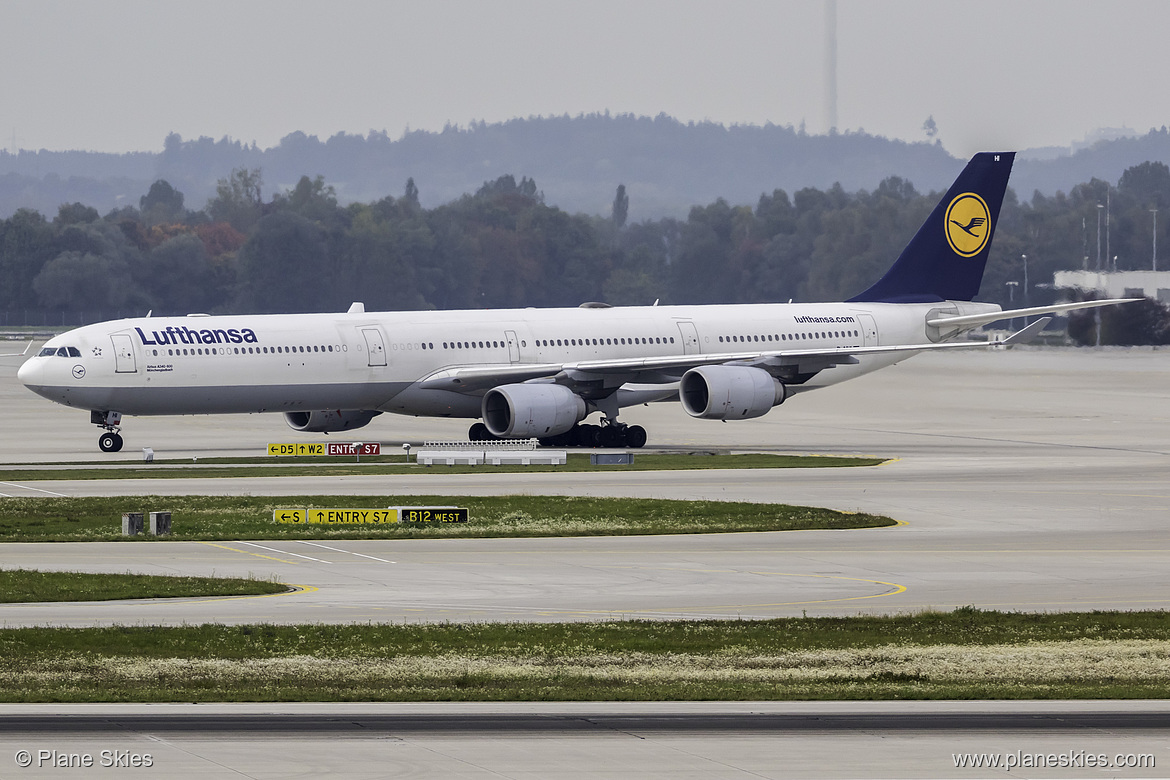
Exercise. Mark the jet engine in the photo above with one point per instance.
(730, 392)
(329, 421)
(519, 411)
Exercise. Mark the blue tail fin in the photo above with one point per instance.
(945, 259)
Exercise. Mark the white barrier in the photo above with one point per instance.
(494, 457)
(494, 444)
(526, 457)
(450, 457)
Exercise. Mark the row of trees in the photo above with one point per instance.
(300, 250)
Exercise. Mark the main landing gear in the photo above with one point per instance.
(610, 434)
(111, 440)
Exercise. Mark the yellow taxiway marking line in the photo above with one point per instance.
(896, 590)
(296, 589)
(249, 552)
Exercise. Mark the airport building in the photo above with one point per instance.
(1118, 284)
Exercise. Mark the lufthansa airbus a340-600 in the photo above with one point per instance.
(541, 372)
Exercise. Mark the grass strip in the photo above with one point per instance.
(250, 517)
(967, 654)
(23, 585)
(301, 467)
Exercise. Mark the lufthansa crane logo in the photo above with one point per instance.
(968, 224)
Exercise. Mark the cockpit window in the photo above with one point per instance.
(60, 352)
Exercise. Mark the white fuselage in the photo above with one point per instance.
(375, 361)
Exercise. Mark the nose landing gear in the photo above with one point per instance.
(110, 441)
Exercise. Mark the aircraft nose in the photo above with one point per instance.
(30, 372)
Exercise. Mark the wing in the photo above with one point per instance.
(18, 354)
(995, 316)
(610, 374)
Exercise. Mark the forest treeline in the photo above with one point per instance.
(578, 160)
(300, 250)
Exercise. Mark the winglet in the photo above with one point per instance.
(1026, 335)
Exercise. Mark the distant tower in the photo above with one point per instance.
(831, 62)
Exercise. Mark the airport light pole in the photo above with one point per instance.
(1012, 297)
(1155, 213)
(1025, 259)
(1099, 207)
(1108, 223)
(1097, 312)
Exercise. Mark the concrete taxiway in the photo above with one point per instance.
(1026, 480)
(589, 740)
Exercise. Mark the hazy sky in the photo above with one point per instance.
(118, 75)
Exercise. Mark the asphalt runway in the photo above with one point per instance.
(1025, 480)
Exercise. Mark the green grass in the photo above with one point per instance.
(214, 468)
(967, 654)
(250, 517)
(22, 585)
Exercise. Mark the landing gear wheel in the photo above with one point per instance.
(635, 437)
(611, 436)
(479, 432)
(110, 442)
(587, 435)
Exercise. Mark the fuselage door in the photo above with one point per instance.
(375, 346)
(690, 337)
(123, 354)
(869, 330)
(513, 346)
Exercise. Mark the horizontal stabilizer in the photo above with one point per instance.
(996, 316)
(1028, 334)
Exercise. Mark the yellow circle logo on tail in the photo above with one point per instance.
(968, 224)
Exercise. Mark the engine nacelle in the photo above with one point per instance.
(730, 392)
(329, 421)
(520, 411)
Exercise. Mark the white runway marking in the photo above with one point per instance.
(347, 552)
(28, 487)
(286, 552)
